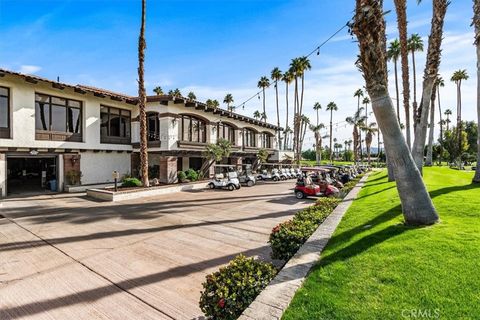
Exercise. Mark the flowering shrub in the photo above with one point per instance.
(229, 291)
(288, 236)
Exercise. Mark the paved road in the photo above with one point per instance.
(67, 257)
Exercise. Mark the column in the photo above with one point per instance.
(168, 169)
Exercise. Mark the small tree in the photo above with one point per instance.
(262, 156)
(214, 152)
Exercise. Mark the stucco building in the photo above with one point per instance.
(52, 131)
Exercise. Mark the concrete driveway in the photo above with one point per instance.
(67, 257)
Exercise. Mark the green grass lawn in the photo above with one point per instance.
(374, 267)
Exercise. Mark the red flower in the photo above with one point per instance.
(221, 303)
(276, 229)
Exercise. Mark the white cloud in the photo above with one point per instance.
(29, 69)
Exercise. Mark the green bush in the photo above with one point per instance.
(191, 175)
(229, 291)
(131, 182)
(327, 203)
(287, 237)
(181, 176)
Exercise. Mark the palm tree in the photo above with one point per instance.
(257, 114)
(215, 104)
(175, 93)
(287, 133)
(142, 99)
(432, 66)
(366, 101)
(304, 125)
(438, 83)
(317, 106)
(356, 121)
(448, 113)
(227, 100)
(457, 77)
(393, 53)
(262, 84)
(401, 9)
(318, 140)
(476, 23)
(158, 91)
(415, 44)
(296, 71)
(369, 27)
(263, 117)
(276, 75)
(370, 131)
(305, 65)
(287, 78)
(331, 107)
(191, 96)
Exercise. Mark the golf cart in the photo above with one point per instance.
(272, 174)
(305, 187)
(225, 178)
(245, 175)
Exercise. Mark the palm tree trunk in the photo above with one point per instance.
(142, 97)
(459, 119)
(369, 27)
(397, 92)
(401, 9)
(331, 152)
(414, 93)
(264, 113)
(285, 145)
(429, 160)
(278, 114)
(430, 76)
(441, 126)
(476, 22)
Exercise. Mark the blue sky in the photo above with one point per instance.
(215, 47)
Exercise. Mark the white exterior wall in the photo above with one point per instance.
(22, 104)
(97, 167)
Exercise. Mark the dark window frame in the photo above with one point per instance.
(266, 140)
(221, 127)
(190, 119)
(5, 131)
(61, 135)
(116, 139)
(252, 140)
(156, 130)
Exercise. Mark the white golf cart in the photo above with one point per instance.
(268, 174)
(225, 178)
(245, 175)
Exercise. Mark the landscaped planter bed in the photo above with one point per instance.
(109, 194)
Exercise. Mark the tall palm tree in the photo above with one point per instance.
(228, 100)
(438, 83)
(331, 107)
(263, 83)
(158, 91)
(304, 125)
(263, 117)
(257, 114)
(191, 95)
(448, 113)
(142, 99)
(369, 27)
(415, 44)
(370, 131)
(476, 24)
(457, 77)
(276, 75)
(287, 78)
(215, 104)
(366, 101)
(317, 106)
(356, 121)
(401, 9)
(318, 140)
(393, 53)
(358, 94)
(296, 69)
(175, 93)
(430, 75)
(305, 65)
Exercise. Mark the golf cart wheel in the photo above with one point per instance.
(275, 179)
(259, 178)
(237, 186)
(299, 195)
(231, 187)
(250, 183)
(211, 185)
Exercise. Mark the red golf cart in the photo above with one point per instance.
(306, 188)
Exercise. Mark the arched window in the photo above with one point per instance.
(226, 131)
(193, 129)
(266, 140)
(153, 126)
(249, 138)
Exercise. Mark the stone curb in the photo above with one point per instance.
(275, 298)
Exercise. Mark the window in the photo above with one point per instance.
(249, 138)
(193, 129)
(114, 125)
(266, 140)
(153, 126)
(226, 131)
(58, 115)
(4, 112)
